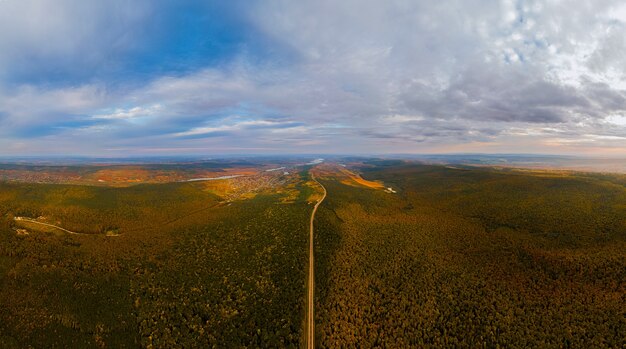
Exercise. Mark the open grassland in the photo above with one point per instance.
(346, 176)
(472, 258)
(359, 180)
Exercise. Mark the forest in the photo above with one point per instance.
(186, 268)
(472, 258)
(453, 256)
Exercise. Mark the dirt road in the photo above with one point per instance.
(24, 219)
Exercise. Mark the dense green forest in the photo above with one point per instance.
(472, 258)
(456, 257)
(186, 269)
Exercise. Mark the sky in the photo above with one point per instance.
(165, 77)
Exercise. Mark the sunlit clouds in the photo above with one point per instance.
(143, 78)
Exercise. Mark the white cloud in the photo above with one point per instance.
(29, 106)
(396, 76)
(131, 113)
(236, 126)
(617, 119)
(66, 34)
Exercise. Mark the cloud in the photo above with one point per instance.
(131, 113)
(31, 107)
(237, 126)
(65, 39)
(349, 76)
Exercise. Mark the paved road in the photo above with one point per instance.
(310, 318)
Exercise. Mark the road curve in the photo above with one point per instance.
(311, 287)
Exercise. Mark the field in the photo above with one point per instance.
(136, 172)
(453, 256)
